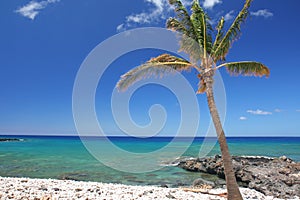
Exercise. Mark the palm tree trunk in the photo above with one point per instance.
(231, 183)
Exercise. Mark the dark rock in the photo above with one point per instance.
(289, 182)
(285, 171)
(199, 182)
(137, 181)
(179, 184)
(283, 158)
(164, 186)
(220, 182)
(43, 188)
(278, 177)
(11, 140)
(75, 176)
(170, 196)
(147, 192)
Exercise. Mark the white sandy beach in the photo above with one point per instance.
(50, 189)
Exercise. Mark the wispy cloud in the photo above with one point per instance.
(243, 118)
(278, 110)
(120, 27)
(33, 8)
(158, 10)
(187, 3)
(211, 3)
(155, 13)
(259, 112)
(298, 110)
(262, 13)
(229, 15)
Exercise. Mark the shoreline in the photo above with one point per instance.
(52, 189)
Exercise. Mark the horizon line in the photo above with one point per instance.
(167, 136)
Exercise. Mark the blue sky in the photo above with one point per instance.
(43, 44)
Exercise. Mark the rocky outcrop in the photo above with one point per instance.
(10, 140)
(279, 177)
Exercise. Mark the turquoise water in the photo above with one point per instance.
(67, 158)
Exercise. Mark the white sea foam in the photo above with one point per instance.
(176, 161)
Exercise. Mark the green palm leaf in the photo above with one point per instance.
(219, 35)
(183, 23)
(201, 26)
(196, 30)
(188, 42)
(247, 68)
(192, 48)
(175, 25)
(159, 67)
(232, 34)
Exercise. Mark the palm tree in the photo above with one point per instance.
(195, 28)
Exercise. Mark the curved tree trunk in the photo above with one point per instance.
(231, 183)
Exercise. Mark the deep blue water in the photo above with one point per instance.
(64, 157)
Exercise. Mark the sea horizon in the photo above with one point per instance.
(124, 136)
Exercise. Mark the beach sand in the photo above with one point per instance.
(42, 189)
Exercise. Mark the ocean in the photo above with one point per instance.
(66, 157)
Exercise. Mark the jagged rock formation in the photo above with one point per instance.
(279, 177)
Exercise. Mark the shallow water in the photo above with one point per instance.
(67, 158)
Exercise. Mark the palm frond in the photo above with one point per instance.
(188, 41)
(192, 48)
(158, 67)
(220, 34)
(183, 22)
(175, 25)
(201, 26)
(232, 33)
(247, 68)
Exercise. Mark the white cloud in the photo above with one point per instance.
(278, 110)
(120, 27)
(154, 14)
(262, 13)
(187, 3)
(157, 11)
(210, 3)
(229, 15)
(142, 18)
(32, 9)
(243, 118)
(259, 112)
